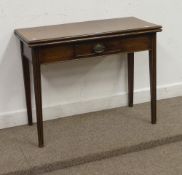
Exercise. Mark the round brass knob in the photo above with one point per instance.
(99, 48)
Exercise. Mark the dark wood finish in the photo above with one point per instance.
(86, 39)
(26, 76)
(62, 52)
(47, 34)
(130, 78)
(38, 94)
(153, 80)
(27, 52)
(113, 45)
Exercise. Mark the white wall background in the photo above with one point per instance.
(89, 84)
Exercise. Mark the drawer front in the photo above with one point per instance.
(62, 52)
(112, 45)
(56, 53)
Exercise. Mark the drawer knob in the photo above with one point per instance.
(99, 48)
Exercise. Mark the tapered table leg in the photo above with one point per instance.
(38, 95)
(26, 76)
(130, 78)
(153, 81)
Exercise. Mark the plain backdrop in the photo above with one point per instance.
(89, 84)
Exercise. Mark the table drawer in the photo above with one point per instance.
(94, 48)
(112, 45)
(62, 52)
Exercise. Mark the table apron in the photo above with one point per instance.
(82, 49)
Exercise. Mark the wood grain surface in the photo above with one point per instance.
(83, 29)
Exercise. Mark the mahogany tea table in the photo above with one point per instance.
(47, 44)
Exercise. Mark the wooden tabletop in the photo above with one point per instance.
(83, 29)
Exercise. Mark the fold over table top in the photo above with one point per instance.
(56, 33)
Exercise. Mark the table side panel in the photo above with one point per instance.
(27, 52)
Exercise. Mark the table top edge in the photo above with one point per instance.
(79, 38)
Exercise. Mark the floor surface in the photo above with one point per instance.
(96, 136)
